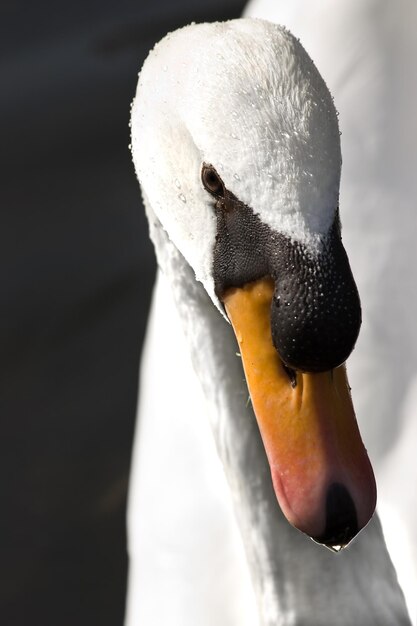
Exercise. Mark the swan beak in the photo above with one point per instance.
(320, 469)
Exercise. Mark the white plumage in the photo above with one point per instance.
(181, 574)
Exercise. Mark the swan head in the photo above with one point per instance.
(236, 146)
(244, 97)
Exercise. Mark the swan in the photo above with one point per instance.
(236, 145)
(366, 51)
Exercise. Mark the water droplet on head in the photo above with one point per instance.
(182, 197)
(164, 68)
(236, 176)
(177, 183)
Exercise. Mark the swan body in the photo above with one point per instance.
(178, 572)
(366, 52)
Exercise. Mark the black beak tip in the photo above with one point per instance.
(341, 518)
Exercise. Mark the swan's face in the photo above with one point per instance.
(236, 145)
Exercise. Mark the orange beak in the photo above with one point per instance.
(320, 469)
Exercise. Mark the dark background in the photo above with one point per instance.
(76, 273)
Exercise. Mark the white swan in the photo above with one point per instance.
(366, 52)
(244, 98)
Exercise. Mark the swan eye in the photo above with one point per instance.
(211, 180)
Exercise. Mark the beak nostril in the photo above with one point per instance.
(341, 518)
(292, 375)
